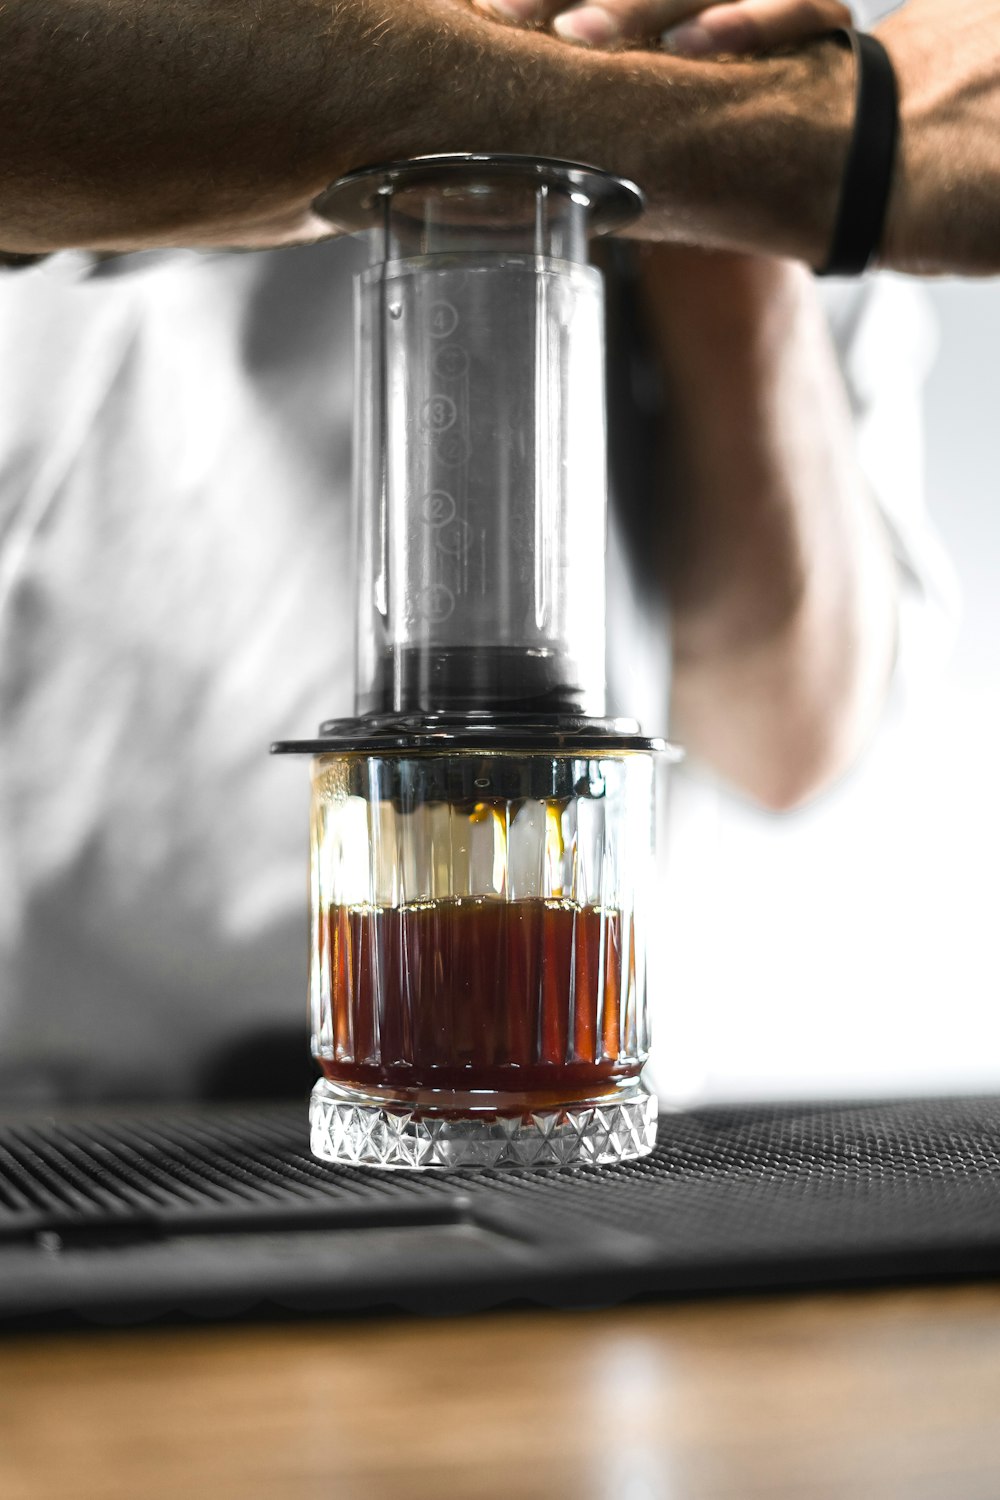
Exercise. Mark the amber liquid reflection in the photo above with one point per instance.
(513, 997)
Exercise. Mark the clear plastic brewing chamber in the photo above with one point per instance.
(480, 437)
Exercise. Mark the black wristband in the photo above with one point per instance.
(864, 192)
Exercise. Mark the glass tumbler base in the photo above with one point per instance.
(354, 1128)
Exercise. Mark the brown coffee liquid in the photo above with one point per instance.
(517, 997)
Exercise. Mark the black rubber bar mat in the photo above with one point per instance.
(219, 1213)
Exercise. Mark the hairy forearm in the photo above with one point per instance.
(127, 125)
(780, 579)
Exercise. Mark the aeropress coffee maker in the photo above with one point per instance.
(482, 837)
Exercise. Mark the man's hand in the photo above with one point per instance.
(125, 125)
(944, 213)
(690, 28)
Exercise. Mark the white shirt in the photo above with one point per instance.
(175, 593)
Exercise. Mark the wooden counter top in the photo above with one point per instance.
(849, 1396)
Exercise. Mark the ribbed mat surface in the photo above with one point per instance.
(223, 1211)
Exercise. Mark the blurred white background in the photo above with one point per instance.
(860, 948)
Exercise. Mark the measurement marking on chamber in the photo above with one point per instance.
(436, 602)
(451, 362)
(453, 539)
(437, 414)
(438, 508)
(442, 319)
(452, 449)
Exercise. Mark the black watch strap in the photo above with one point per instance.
(867, 181)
